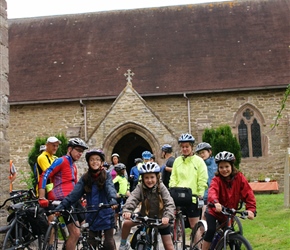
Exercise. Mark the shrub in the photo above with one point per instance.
(222, 139)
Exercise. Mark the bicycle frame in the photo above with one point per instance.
(149, 232)
(18, 232)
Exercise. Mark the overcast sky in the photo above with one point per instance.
(32, 8)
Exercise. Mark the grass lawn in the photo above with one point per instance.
(271, 228)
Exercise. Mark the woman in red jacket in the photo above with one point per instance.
(227, 188)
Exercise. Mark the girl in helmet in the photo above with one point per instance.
(227, 188)
(204, 150)
(155, 199)
(98, 187)
(189, 170)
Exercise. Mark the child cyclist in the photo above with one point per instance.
(155, 199)
(227, 188)
(204, 150)
(122, 187)
(97, 184)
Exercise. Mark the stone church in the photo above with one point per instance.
(131, 80)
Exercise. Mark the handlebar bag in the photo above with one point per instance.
(182, 196)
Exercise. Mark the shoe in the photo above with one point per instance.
(125, 247)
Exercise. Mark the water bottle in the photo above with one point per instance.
(63, 226)
(216, 239)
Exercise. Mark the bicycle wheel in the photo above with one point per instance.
(155, 236)
(141, 246)
(120, 222)
(25, 236)
(197, 235)
(51, 237)
(234, 242)
(179, 233)
(237, 225)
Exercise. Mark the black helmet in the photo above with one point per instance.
(225, 156)
(119, 167)
(138, 160)
(77, 142)
(186, 138)
(98, 152)
(202, 146)
(166, 148)
(149, 167)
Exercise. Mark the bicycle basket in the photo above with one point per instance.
(182, 196)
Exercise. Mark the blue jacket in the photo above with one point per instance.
(105, 218)
(211, 169)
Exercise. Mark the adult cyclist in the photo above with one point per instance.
(189, 170)
(63, 174)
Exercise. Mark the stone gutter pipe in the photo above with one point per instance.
(188, 113)
(85, 117)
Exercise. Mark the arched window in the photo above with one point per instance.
(249, 122)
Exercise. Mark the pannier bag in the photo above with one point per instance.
(182, 196)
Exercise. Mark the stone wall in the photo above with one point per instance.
(169, 112)
(4, 106)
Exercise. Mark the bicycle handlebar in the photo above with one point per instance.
(231, 211)
(19, 194)
(147, 220)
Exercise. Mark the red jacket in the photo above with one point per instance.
(229, 192)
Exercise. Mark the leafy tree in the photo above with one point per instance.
(34, 153)
(282, 107)
(222, 139)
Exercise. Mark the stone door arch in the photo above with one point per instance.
(129, 140)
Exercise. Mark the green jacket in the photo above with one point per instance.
(190, 172)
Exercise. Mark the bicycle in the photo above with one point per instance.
(147, 233)
(51, 240)
(122, 200)
(225, 237)
(178, 234)
(24, 224)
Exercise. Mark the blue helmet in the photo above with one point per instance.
(146, 155)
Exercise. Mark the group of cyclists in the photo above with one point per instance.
(213, 179)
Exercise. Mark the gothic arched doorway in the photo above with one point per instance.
(129, 141)
(130, 147)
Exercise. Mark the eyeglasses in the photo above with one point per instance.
(80, 150)
(97, 159)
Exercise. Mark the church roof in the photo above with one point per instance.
(200, 48)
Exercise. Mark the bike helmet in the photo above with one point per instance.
(166, 148)
(146, 155)
(106, 164)
(42, 148)
(115, 154)
(149, 167)
(186, 138)
(77, 142)
(138, 160)
(98, 152)
(119, 167)
(202, 146)
(225, 156)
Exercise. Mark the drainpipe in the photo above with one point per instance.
(85, 117)
(188, 113)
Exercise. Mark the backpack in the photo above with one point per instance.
(37, 171)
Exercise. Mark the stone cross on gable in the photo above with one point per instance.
(129, 76)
